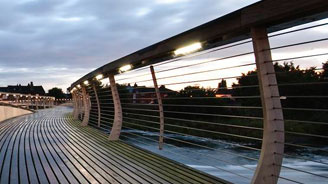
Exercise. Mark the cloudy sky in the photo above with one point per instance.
(55, 42)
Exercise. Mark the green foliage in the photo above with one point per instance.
(302, 88)
(56, 92)
(196, 111)
(196, 91)
(324, 74)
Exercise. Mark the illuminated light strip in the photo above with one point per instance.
(100, 76)
(188, 49)
(125, 68)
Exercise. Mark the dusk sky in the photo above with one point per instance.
(53, 43)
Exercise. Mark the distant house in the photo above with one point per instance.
(29, 89)
(147, 95)
(222, 90)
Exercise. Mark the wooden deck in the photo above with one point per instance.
(50, 147)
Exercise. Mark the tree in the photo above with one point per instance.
(302, 89)
(56, 92)
(324, 74)
(222, 87)
(196, 91)
(288, 75)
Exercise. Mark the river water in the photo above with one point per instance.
(229, 162)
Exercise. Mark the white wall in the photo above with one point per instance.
(7, 112)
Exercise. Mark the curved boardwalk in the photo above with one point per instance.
(50, 147)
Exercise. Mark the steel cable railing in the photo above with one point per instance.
(104, 96)
(140, 114)
(212, 105)
(238, 44)
(130, 113)
(192, 65)
(93, 118)
(234, 45)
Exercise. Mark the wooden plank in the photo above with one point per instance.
(122, 173)
(72, 173)
(6, 135)
(8, 147)
(23, 173)
(81, 167)
(165, 165)
(42, 157)
(142, 167)
(32, 173)
(52, 157)
(97, 157)
(93, 168)
(116, 156)
(41, 175)
(48, 148)
(173, 166)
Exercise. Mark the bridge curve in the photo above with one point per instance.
(258, 110)
(50, 147)
(8, 111)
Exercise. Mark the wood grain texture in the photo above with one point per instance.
(49, 146)
(160, 109)
(118, 115)
(86, 107)
(269, 165)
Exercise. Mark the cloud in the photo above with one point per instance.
(143, 11)
(56, 42)
(69, 19)
(170, 1)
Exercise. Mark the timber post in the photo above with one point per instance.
(160, 108)
(269, 165)
(44, 102)
(86, 108)
(36, 102)
(118, 117)
(29, 99)
(75, 105)
(81, 106)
